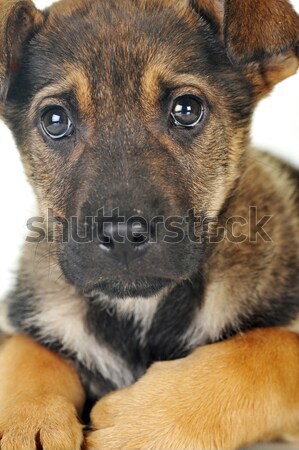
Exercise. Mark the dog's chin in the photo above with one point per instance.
(143, 287)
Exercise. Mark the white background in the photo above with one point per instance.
(276, 128)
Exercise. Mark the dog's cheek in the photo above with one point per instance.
(215, 159)
(47, 169)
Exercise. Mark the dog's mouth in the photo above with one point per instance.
(117, 288)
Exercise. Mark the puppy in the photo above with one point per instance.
(166, 231)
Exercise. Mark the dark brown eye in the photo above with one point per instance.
(56, 123)
(187, 111)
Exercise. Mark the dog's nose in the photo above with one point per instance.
(125, 241)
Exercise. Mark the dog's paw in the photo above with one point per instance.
(143, 416)
(204, 401)
(44, 424)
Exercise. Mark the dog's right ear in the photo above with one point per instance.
(19, 20)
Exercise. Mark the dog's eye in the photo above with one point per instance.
(56, 123)
(187, 111)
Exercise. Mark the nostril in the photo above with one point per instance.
(106, 243)
(139, 235)
(139, 240)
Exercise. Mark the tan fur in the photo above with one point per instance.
(179, 404)
(40, 396)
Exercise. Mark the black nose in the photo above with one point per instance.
(125, 241)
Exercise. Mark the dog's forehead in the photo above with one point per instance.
(114, 41)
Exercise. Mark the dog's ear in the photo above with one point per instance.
(259, 35)
(19, 20)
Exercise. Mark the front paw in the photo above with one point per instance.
(145, 416)
(178, 405)
(47, 423)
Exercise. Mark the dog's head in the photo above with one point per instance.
(141, 107)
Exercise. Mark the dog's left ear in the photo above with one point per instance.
(259, 35)
(19, 20)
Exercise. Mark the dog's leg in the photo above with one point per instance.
(40, 398)
(221, 397)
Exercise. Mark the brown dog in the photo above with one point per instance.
(167, 232)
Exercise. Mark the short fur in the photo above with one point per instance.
(116, 67)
